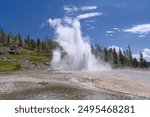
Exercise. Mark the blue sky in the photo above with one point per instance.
(120, 22)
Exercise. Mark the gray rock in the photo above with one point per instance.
(4, 50)
(13, 50)
(46, 63)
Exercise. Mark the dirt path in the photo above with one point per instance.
(115, 84)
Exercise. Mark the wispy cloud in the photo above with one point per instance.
(115, 28)
(43, 24)
(110, 32)
(86, 8)
(139, 29)
(70, 8)
(88, 15)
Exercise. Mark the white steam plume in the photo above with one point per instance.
(74, 52)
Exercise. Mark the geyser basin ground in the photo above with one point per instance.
(115, 84)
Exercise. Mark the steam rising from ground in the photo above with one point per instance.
(75, 53)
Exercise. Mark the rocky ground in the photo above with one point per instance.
(40, 84)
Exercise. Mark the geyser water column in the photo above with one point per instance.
(76, 51)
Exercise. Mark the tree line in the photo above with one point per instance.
(17, 41)
(47, 45)
(120, 58)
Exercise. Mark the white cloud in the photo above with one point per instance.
(146, 54)
(117, 29)
(43, 24)
(110, 32)
(86, 8)
(54, 22)
(116, 48)
(136, 56)
(70, 8)
(139, 29)
(73, 10)
(88, 15)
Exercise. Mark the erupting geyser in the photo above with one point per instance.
(75, 53)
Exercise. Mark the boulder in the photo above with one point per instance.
(13, 50)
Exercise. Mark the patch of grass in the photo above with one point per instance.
(37, 59)
(9, 66)
(26, 51)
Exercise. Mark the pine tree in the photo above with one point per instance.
(32, 44)
(10, 40)
(105, 54)
(27, 42)
(38, 45)
(98, 51)
(43, 47)
(115, 55)
(141, 60)
(129, 53)
(145, 64)
(129, 56)
(121, 58)
(110, 56)
(16, 41)
(20, 40)
(3, 37)
(135, 62)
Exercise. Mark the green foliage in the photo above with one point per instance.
(115, 55)
(17, 67)
(106, 54)
(37, 59)
(20, 40)
(9, 66)
(38, 45)
(122, 59)
(3, 37)
(30, 43)
(143, 62)
(135, 62)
